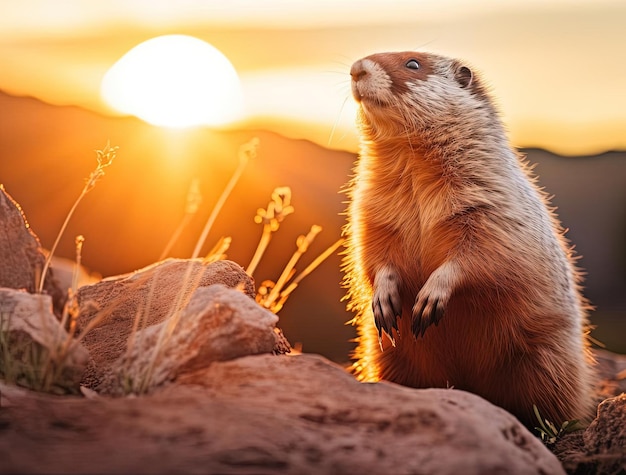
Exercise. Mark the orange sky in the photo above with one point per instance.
(557, 67)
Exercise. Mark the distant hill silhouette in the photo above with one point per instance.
(46, 152)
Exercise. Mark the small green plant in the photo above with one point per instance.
(548, 431)
(21, 361)
(25, 362)
(105, 158)
(8, 363)
(42, 367)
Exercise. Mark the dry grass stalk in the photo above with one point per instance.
(194, 199)
(270, 295)
(277, 209)
(268, 300)
(53, 367)
(246, 152)
(70, 309)
(144, 382)
(284, 295)
(105, 158)
(219, 250)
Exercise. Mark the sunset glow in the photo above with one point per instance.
(175, 81)
(292, 62)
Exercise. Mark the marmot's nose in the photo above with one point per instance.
(357, 71)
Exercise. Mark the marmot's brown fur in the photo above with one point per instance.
(456, 266)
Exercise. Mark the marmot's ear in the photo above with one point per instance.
(463, 75)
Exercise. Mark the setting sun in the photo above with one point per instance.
(175, 81)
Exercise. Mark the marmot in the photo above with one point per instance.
(455, 264)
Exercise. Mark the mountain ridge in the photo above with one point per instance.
(46, 151)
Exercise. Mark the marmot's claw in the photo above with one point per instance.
(380, 339)
(432, 299)
(426, 312)
(387, 308)
(385, 318)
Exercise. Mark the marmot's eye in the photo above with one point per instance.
(412, 64)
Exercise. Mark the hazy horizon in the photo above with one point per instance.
(127, 220)
(553, 66)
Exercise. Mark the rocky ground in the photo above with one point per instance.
(175, 369)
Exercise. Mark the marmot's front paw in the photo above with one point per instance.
(429, 307)
(387, 302)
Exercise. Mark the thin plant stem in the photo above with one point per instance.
(184, 294)
(56, 241)
(93, 323)
(303, 244)
(219, 250)
(246, 151)
(105, 158)
(181, 226)
(9, 364)
(58, 355)
(140, 320)
(276, 211)
(69, 309)
(80, 240)
(53, 357)
(194, 199)
(260, 250)
(310, 268)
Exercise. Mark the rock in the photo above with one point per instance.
(601, 448)
(218, 324)
(64, 273)
(272, 415)
(605, 438)
(35, 350)
(611, 371)
(21, 255)
(113, 308)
